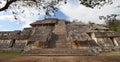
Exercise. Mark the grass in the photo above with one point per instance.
(9, 53)
(13, 56)
(116, 53)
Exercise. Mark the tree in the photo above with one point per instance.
(112, 23)
(47, 5)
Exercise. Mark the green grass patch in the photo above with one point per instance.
(117, 53)
(9, 53)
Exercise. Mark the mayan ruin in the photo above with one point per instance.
(53, 36)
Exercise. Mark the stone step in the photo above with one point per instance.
(67, 52)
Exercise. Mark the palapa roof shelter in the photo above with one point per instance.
(47, 22)
(107, 34)
(99, 27)
(50, 22)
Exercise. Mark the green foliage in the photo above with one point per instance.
(115, 29)
(112, 22)
(9, 53)
(114, 25)
(118, 29)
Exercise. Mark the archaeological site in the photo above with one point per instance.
(53, 36)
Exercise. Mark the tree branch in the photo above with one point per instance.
(7, 5)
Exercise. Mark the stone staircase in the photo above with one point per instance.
(62, 42)
(59, 52)
(60, 31)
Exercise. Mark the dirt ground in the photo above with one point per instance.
(60, 59)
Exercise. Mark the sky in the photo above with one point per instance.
(70, 11)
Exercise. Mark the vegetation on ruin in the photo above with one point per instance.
(112, 22)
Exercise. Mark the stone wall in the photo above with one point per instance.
(14, 40)
(20, 44)
(109, 40)
(5, 44)
(77, 35)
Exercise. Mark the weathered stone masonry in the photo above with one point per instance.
(59, 37)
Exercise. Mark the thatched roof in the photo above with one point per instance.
(77, 23)
(107, 34)
(46, 21)
(99, 27)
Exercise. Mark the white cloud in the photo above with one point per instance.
(6, 17)
(2, 3)
(25, 18)
(25, 22)
(28, 20)
(86, 14)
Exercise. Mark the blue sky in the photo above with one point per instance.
(69, 11)
(8, 25)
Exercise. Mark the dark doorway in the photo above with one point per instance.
(111, 38)
(12, 42)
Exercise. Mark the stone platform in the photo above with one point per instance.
(59, 52)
